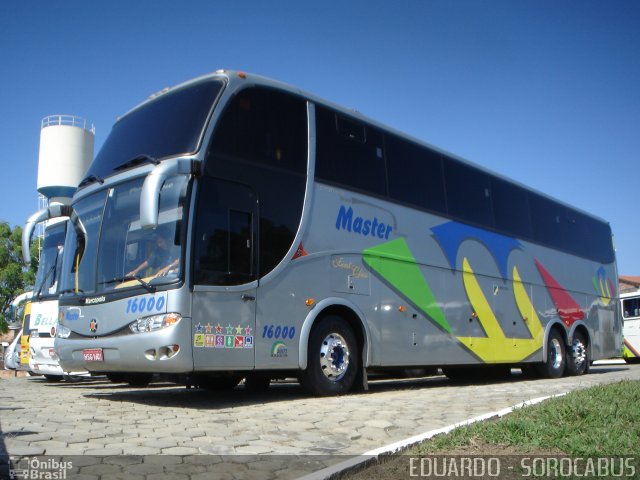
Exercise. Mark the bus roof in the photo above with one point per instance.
(237, 79)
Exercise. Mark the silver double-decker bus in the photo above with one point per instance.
(235, 227)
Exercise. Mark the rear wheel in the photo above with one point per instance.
(333, 358)
(578, 355)
(556, 359)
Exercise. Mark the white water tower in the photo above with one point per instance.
(66, 150)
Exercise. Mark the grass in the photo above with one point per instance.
(601, 420)
(594, 422)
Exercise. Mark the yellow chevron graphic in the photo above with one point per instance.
(605, 291)
(495, 347)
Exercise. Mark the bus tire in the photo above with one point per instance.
(578, 355)
(556, 358)
(333, 358)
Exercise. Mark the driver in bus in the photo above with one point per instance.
(161, 261)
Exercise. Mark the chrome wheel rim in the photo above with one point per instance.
(578, 352)
(334, 357)
(555, 353)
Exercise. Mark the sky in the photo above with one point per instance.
(545, 92)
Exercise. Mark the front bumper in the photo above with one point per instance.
(132, 352)
(43, 359)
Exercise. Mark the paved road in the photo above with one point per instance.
(164, 430)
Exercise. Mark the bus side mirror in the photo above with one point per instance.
(54, 211)
(150, 194)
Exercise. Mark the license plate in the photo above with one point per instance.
(93, 355)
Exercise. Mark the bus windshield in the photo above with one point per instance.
(170, 125)
(50, 257)
(110, 251)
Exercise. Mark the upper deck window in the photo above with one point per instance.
(172, 124)
(415, 174)
(468, 193)
(265, 127)
(349, 152)
(261, 141)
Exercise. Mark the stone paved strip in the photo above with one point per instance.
(282, 433)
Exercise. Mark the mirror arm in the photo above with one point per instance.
(53, 211)
(150, 194)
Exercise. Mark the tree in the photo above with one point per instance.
(14, 277)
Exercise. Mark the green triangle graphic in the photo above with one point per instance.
(394, 262)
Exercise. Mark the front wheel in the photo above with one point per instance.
(333, 358)
(556, 359)
(578, 355)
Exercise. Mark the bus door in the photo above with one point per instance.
(224, 276)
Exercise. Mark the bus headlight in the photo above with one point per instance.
(63, 332)
(154, 322)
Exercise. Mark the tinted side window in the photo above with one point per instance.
(415, 174)
(468, 193)
(224, 234)
(510, 208)
(575, 234)
(600, 242)
(631, 307)
(587, 237)
(264, 126)
(349, 152)
(546, 217)
(261, 141)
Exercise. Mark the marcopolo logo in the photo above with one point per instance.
(94, 300)
(349, 221)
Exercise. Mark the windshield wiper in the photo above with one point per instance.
(146, 285)
(51, 270)
(137, 160)
(126, 278)
(90, 179)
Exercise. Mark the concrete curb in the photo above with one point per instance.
(372, 456)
